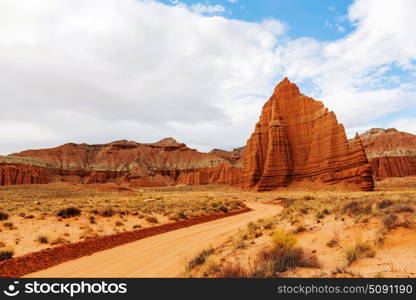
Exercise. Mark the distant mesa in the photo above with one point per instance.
(391, 153)
(296, 140)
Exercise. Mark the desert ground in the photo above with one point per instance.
(289, 232)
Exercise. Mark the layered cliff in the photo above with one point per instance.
(140, 164)
(234, 157)
(391, 153)
(297, 138)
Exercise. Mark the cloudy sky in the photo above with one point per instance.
(95, 71)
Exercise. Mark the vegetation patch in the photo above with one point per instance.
(69, 212)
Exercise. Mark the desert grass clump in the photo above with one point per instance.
(199, 259)
(3, 216)
(211, 266)
(6, 253)
(58, 241)
(151, 219)
(8, 224)
(357, 251)
(384, 204)
(233, 270)
(283, 239)
(273, 260)
(267, 223)
(176, 216)
(238, 240)
(251, 227)
(43, 238)
(299, 229)
(107, 212)
(281, 256)
(390, 221)
(356, 208)
(69, 212)
(333, 242)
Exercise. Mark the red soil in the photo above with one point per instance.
(33, 262)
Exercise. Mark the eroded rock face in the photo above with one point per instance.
(221, 174)
(297, 138)
(23, 174)
(234, 157)
(139, 164)
(391, 153)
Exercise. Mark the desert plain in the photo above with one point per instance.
(320, 233)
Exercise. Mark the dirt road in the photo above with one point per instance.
(161, 255)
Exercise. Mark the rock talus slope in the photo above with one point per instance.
(297, 138)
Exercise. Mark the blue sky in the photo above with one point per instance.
(199, 71)
(320, 19)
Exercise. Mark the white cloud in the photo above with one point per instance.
(200, 8)
(95, 71)
(404, 124)
(351, 74)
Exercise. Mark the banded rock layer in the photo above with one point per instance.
(138, 164)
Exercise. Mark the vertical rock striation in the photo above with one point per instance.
(297, 138)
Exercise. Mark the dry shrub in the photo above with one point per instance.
(333, 242)
(3, 216)
(69, 212)
(233, 271)
(283, 239)
(6, 253)
(359, 250)
(273, 260)
(390, 221)
(199, 259)
(43, 238)
(107, 212)
(299, 229)
(59, 240)
(355, 208)
(151, 219)
(384, 204)
(238, 240)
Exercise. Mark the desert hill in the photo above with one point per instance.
(392, 153)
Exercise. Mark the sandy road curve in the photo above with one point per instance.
(162, 255)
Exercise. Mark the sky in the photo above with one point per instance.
(102, 70)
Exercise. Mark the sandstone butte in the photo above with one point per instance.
(296, 139)
(391, 153)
